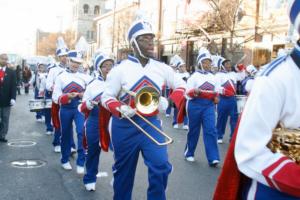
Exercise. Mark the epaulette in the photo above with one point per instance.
(272, 65)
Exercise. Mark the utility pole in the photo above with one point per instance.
(113, 31)
(256, 36)
(159, 27)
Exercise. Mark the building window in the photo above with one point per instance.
(88, 35)
(85, 9)
(96, 10)
(92, 35)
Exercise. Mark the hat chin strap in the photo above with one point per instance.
(139, 50)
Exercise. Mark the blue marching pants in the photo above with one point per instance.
(263, 192)
(128, 142)
(47, 112)
(66, 116)
(93, 153)
(185, 119)
(38, 114)
(226, 107)
(201, 112)
(56, 137)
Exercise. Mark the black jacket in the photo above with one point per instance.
(8, 88)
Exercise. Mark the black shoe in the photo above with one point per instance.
(3, 140)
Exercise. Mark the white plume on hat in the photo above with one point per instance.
(82, 46)
(202, 55)
(61, 47)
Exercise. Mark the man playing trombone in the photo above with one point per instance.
(123, 99)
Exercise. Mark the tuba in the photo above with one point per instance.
(287, 142)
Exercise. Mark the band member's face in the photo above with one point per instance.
(3, 60)
(206, 64)
(106, 67)
(41, 68)
(63, 59)
(146, 44)
(74, 66)
(182, 68)
(228, 66)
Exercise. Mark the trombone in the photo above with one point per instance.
(147, 101)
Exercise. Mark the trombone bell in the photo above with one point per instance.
(147, 100)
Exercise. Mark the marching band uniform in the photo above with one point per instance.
(52, 75)
(274, 99)
(127, 141)
(35, 81)
(92, 94)
(184, 76)
(227, 105)
(70, 82)
(247, 82)
(201, 111)
(43, 93)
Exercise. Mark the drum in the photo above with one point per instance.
(48, 103)
(241, 101)
(36, 105)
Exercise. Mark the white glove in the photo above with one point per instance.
(163, 104)
(12, 102)
(89, 105)
(126, 110)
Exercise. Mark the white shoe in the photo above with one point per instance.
(73, 150)
(190, 159)
(39, 120)
(185, 127)
(167, 115)
(220, 141)
(175, 126)
(57, 149)
(80, 169)
(90, 186)
(67, 166)
(214, 163)
(49, 133)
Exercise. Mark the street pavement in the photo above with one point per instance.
(188, 181)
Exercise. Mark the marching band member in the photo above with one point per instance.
(201, 94)
(68, 90)
(274, 99)
(166, 91)
(43, 93)
(89, 107)
(127, 140)
(182, 73)
(62, 54)
(227, 87)
(247, 82)
(36, 81)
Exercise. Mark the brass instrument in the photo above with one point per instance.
(146, 102)
(287, 142)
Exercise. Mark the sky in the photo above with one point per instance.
(19, 20)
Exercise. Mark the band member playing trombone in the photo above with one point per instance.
(122, 97)
(89, 107)
(201, 94)
(68, 90)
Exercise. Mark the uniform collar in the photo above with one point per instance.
(295, 54)
(204, 72)
(133, 59)
(62, 65)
